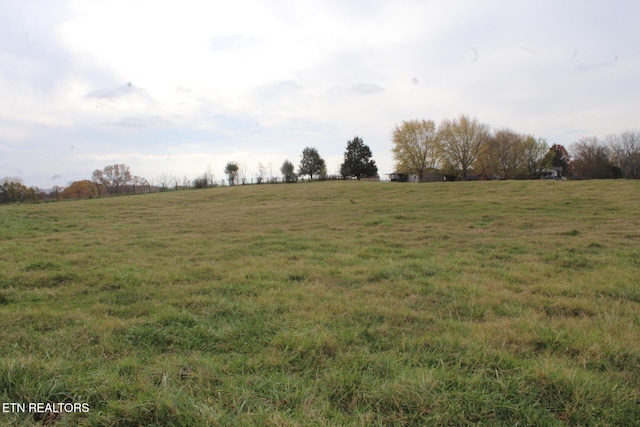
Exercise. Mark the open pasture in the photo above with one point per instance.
(327, 303)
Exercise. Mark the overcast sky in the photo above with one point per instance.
(179, 87)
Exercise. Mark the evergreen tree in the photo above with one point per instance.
(357, 160)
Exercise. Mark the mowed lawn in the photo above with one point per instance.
(327, 303)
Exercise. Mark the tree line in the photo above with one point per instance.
(117, 179)
(357, 164)
(617, 156)
(464, 148)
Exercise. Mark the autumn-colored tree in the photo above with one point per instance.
(533, 151)
(416, 147)
(485, 165)
(462, 141)
(12, 189)
(84, 189)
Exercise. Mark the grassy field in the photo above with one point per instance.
(329, 303)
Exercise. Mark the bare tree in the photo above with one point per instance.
(271, 177)
(165, 180)
(55, 191)
(210, 177)
(205, 180)
(242, 174)
(505, 149)
(625, 153)
(262, 173)
(113, 177)
(591, 159)
(462, 141)
(533, 152)
(139, 182)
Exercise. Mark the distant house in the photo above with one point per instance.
(411, 177)
(553, 173)
(398, 177)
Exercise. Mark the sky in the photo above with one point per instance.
(183, 87)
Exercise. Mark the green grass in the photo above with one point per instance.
(334, 303)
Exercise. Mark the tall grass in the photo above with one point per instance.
(337, 303)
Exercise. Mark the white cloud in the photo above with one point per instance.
(367, 88)
(234, 42)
